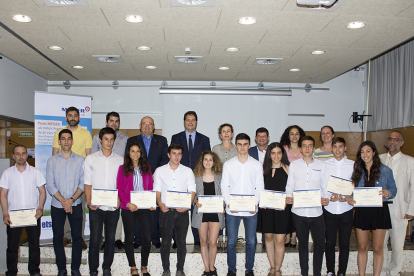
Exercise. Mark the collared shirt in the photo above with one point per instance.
(166, 179)
(393, 162)
(242, 178)
(342, 169)
(261, 154)
(303, 176)
(64, 176)
(82, 140)
(100, 172)
(119, 144)
(138, 184)
(187, 136)
(223, 153)
(22, 187)
(147, 142)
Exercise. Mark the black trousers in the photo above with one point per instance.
(13, 241)
(144, 219)
(333, 224)
(316, 225)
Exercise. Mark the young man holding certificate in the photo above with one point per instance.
(175, 186)
(307, 192)
(241, 185)
(338, 214)
(22, 197)
(100, 172)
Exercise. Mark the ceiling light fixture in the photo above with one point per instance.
(318, 52)
(247, 20)
(144, 48)
(151, 67)
(294, 70)
(134, 18)
(52, 74)
(255, 92)
(232, 49)
(64, 2)
(78, 67)
(224, 68)
(21, 18)
(55, 48)
(355, 25)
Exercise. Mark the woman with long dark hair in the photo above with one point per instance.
(325, 152)
(369, 172)
(274, 224)
(135, 175)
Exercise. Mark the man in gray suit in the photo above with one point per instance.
(402, 207)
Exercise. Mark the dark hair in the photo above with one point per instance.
(191, 113)
(176, 147)
(397, 131)
(306, 138)
(320, 133)
(360, 166)
(284, 139)
(217, 165)
(225, 125)
(242, 136)
(113, 114)
(19, 146)
(262, 129)
(106, 130)
(72, 108)
(65, 130)
(338, 140)
(128, 166)
(267, 163)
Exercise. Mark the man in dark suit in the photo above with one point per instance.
(193, 143)
(156, 149)
(262, 140)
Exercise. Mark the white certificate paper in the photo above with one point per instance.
(367, 197)
(210, 204)
(178, 200)
(272, 199)
(144, 199)
(23, 217)
(340, 186)
(307, 198)
(242, 203)
(105, 197)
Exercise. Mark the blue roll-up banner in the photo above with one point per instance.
(50, 116)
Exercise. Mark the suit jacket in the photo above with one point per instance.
(403, 202)
(201, 143)
(253, 153)
(158, 150)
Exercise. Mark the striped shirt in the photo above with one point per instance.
(322, 155)
(138, 184)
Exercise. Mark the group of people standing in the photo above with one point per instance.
(145, 162)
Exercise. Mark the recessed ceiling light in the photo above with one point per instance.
(355, 25)
(294, 70)
(52, 74)
(224, 68)
(318, 52)
(151, 67)
(144, 48)
(55, 48)
(247, 20)
(78, 67)
(134, 18)
(21, 18)
(232, 49)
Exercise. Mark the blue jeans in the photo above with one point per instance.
(58, 222)
(232, 229)
(97, 219)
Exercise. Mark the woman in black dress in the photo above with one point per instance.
(274, 224)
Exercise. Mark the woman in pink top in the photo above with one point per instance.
(135, 175)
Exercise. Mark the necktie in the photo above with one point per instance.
(190, 148)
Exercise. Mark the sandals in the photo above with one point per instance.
(134, 271)
(273, 272)
(145, 273)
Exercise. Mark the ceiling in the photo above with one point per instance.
(281, 31)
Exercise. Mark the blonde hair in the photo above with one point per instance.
(217, 165)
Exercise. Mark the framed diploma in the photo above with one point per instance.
(105, 197)
(340, 186)
(242, 203)
(210, 204)
(367, 197)
(144, 199)
(23, 217)
(272, 200)
(307, 198)
(178, 200)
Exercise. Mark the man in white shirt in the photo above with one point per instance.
(306, 174)
(242, 175)
(22, 187)
(402, 206)
(338, 214)
(173, 177)
(100, 172)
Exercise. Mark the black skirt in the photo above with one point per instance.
(274, 221)
(372, 218)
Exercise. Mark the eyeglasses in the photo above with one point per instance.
(147, 124)
(391, 139)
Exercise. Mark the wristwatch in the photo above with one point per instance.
(73, 200)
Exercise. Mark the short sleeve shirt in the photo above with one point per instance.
(82, 140)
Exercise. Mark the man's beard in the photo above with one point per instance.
(73, 122)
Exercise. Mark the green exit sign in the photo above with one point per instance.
(25, 133)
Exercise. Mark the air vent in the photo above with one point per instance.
(186, 59)
(108, 59)
(318, 5)
(267, 61)
(191, 3)
(65, 3)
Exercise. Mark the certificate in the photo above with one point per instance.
(272, 199)
(242, 203)
(144, 199)
(307, 198)
(105, 197)
(210, 204)
(23, 217)
(179, 200)
(340, 186)
(367, 197)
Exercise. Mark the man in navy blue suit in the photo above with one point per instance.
(156, 149)
(193, 143)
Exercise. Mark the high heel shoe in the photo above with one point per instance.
(134, 271)
(144, 273)
(287, 244)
